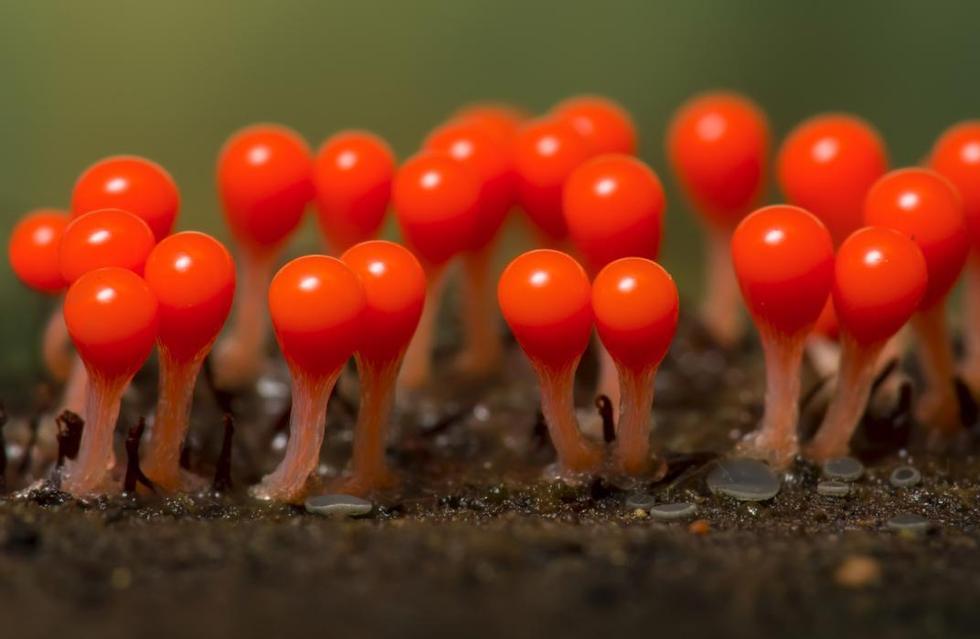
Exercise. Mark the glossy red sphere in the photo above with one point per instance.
(317, 308)
(107, 237)
(784, 260)
(34, 247)
(394, 288)
(436, 203)
(545, 153)
(265, 181)
(490, 160)
(880, 276)
(352, 172)
(111, 316)
(192, 276)
(134, 184)
(827, 164)
(546, 299)
(614, 207)
(636, 306)
(605, 125)
(718, 146)
(926, 207)
(501, 121)
(956, 156)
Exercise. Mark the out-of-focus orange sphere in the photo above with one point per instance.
(827, 164)
(718, 146)
(614, 207)
(265, 180)
(34, 247)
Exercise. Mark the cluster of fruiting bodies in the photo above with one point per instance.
(857, 254)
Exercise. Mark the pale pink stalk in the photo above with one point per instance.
(54, 346)
(416, 370)
(938, 407)
(307, 424)
(575, 453)
(369, 471)
(240, 355)
(161, 459)
(632, 448)
(88, 473)
(721, 307)
(971, 324)
(482, 349)
(776, 440)
(859, 365)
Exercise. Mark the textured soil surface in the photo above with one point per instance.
(476, 542)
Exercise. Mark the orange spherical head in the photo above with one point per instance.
(317, 308)
(880, 276)
(394, 289)
(605, 125)
(490, 161)
(546, 152)
(545, 297)
(501, 121)
(106, 237)
(192, 276)
(956, 156)
(784, 260)
(111, 316)
(34, 247)
(134, 184)
(265, 181)
(924, 206)
(436, 203)
(636, 305)
(614, 207)
(827, 164)
(352, 173)
(718, 146)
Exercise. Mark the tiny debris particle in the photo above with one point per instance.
(338, 506)
(905, 477)
(121, 578)
(640, 501)
(699, 527)
(834, 488)
(671, 512)
(743, 479)
(843, 469)
(909, 522)
(858, 571)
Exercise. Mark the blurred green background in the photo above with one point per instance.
(170, 80)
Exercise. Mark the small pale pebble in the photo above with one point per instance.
(671, 512)
(834, 488)
(905, 477)
(639, 513)
(909, 522)
(858, 571)
(843, 468)
(640, 501)
(338, 506)
(743, 479)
